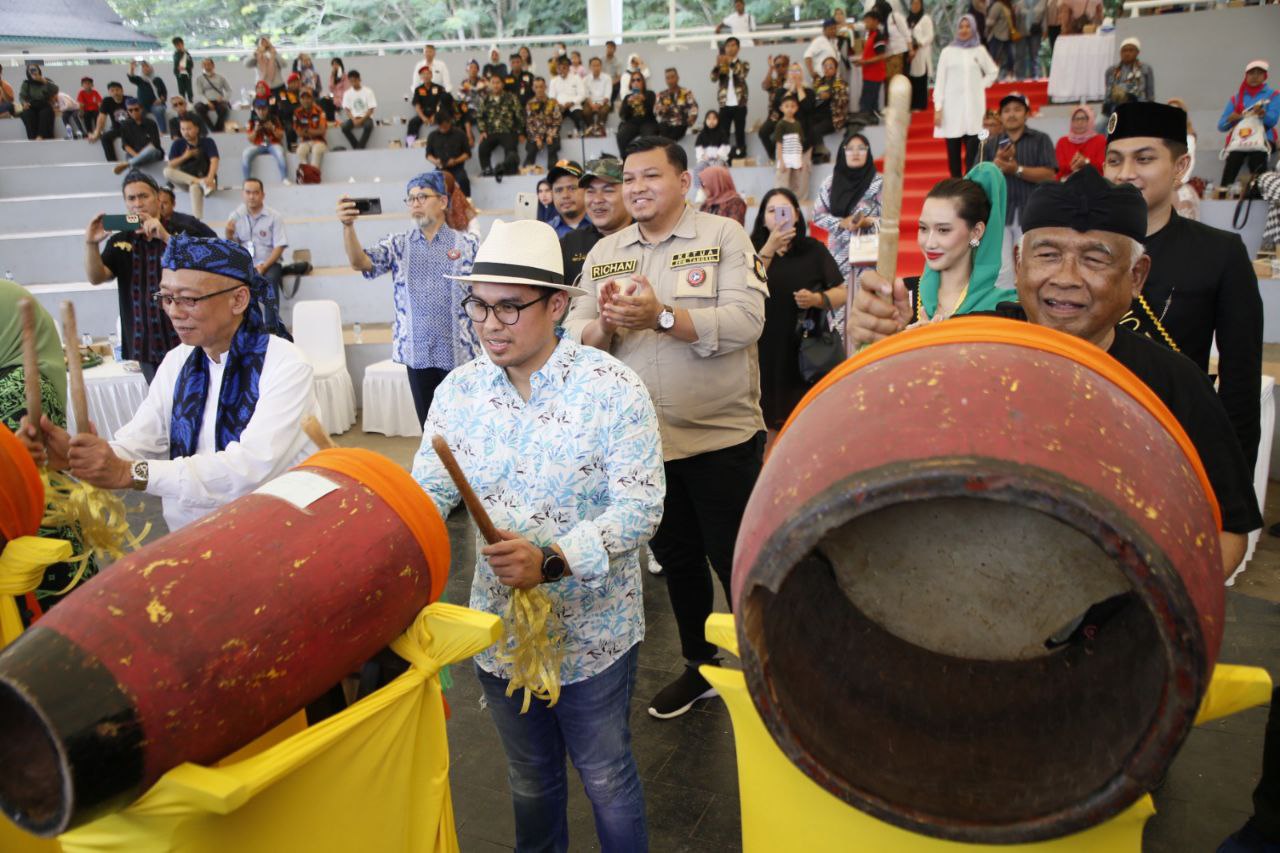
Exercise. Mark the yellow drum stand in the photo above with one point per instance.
(784, 810)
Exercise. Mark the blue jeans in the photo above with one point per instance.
(1030, 56)
(276, 151)
(161, 116)
(591, 721)
(150, 154)
(1002, 56)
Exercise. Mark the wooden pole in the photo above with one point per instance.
(469, 497)
(30, 361)
(896, 118)
(316, 432)
(75, 373)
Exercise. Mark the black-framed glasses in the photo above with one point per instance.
(508, 313)
(420, 198)
(164, 300)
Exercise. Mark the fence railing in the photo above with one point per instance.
(1136, 7)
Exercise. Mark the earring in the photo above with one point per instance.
(973, 244)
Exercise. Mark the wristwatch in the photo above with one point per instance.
(666, 319)
(1019, 172)
(553, 566)
(139, 471)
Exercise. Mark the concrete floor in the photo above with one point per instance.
(688, 765)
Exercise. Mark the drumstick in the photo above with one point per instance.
(30, 361)
(477, 510)
(316, 432)
(75, 373)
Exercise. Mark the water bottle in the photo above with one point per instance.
(117, 351)
(86, 340)
(9, 275)
(1208, 189)
(358, 331)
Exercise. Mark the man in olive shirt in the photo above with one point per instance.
(679, 298)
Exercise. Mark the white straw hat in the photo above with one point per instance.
(522, 252)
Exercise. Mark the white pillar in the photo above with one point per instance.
(604, 17)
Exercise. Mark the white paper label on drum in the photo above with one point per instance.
(300, 488)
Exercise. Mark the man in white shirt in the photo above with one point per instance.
(820, 48)
(740, 23)
(439, 71)
(358, 102)
(599, 97)
(569, 91)
(199, 442)
(898, 32)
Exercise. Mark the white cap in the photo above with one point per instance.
(1131, 41)
(1258, 63)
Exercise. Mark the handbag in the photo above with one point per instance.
(1249, 135)
(821, 348)
(864, 247)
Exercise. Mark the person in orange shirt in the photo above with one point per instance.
(310, 126)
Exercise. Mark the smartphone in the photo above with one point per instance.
(782, 220)
(1004, 141)
(368, 206)
(526, 206)
(122, 222)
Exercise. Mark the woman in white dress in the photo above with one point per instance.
(965, 70)
(921, 54)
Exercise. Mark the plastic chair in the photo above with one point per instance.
(388, 402)
(317, 330)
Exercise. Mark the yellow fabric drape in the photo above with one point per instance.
(22, 565)
(374, 777)
(784, 810)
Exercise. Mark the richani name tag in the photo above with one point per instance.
(615, 268)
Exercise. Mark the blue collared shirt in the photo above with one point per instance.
(578, 465)
(430, 329)
(562, 228)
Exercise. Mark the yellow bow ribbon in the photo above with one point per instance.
(22, 565)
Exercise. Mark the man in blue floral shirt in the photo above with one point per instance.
(560, 442)
(430, 335)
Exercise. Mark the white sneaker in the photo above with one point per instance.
(287, 182)
(651, 562)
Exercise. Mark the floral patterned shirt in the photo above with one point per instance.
(430, 328)
(542, 120)
(579, 465)
(676, 109)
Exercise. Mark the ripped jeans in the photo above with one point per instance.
(592, 723)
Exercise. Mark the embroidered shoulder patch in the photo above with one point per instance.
(123, 245)
(758, 266)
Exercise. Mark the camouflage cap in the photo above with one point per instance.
(605, 168)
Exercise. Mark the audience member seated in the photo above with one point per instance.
(193, 163)
(711, 146)
(1082, 146)
(286, 104)
(8, 100)
(848, 201)
(179, 105)
(305, 68)
(152, 93)
(722, 197)
(90, 103)
(1254, 98)
(519, 81)
(111, 117)
(569, 91)
(429, 99)
(675, 108)
(214, 95)
(599, 102)
(1128, 81)
(636, 114)
(575, 64)
(266, 136)
(332, 103)
(546, 202)
(260, 229)
(830, 108)
(439, 71)
(310, 126)
(499, 121)
(542, 117)
(39, 96)
(467, 100)
(139, 137)
(793, 148)
(569, 197)
(358, 103)
(495, 65)
(448, 150)
(168, 202)
(67, 108)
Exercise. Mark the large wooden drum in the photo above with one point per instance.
(196, 644)
(915, 562)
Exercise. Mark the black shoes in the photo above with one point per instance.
(680, 695)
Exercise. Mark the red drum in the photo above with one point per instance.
(193, 646)
(978, 586)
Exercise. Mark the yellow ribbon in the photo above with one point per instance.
(22, 565)
(96, 514)
(533, 645)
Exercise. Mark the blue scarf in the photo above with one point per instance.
(238, 396)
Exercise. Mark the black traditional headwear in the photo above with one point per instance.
(1087, 202)
(1160, 121)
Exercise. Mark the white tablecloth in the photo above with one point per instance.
(1262, 468)
(1080, 65)
(113, 393)
(387, 400)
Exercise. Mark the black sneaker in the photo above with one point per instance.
(678, 696)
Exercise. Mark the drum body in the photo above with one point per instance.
(978, 586)
(203, 640)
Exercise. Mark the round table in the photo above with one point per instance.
(114, 390)
(1079, 68)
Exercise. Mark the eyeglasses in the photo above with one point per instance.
(164, 300)
(508, 313)
(420, 198)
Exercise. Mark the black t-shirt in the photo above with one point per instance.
(138, 135)
(574, 247)
(1189, 395)
(432, 99)
(1202, 283)
(115, 111)
(444, 146)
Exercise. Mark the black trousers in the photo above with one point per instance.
(1256, 161)
(820, 124)
(869, 102)
(673, 133)
(970, 144)
(108, 140)
(706, 496)
(766, 136)
(576, 117)
(184, 88)
(919, 92)
(736, 117)
(39, 121)
(1266, 797)
(531, 150)
(423, 382)
(415, 127)
(366, 130)
(220, 110)
(510, 152)
(629, 130)
(459, 173)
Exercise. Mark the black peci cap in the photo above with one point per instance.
(1086, 201)
(1160, 121)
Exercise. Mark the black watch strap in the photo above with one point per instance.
(553, 565)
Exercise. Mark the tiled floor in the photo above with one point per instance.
(688, 765)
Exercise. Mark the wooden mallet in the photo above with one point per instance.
(30, 361)
(317, 433)
(469, 497)
(75, 371)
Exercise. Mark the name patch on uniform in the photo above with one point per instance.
(695, 257)
(615, 268)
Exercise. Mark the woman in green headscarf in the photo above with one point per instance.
(961, 230)
(13, 407)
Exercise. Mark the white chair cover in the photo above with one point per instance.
(388, 402)
(317, 330)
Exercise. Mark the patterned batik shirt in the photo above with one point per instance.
(832, 93)
(431, 329)
(542, 120)
(676, 109)
(578, 465)
(500, 114)
(736, 77)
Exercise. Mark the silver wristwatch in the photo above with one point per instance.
(139, 470)
(666, 319)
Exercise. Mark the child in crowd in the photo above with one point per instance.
(791, 149)
(90, 101)
(711, 147)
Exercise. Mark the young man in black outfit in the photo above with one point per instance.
(448, 150)
(111, 115)
(139, 137)
(429, 99)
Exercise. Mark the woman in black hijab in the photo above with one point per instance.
(849, 199)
